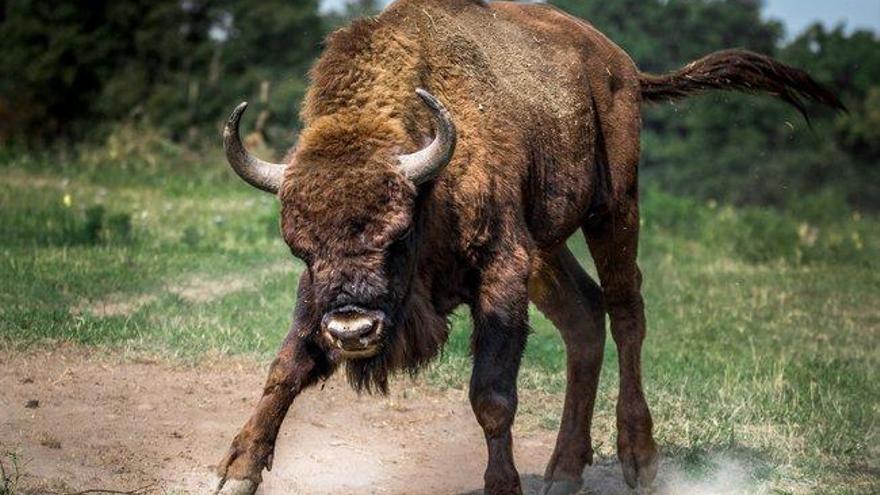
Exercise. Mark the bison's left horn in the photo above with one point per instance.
(426, 164)
(262, 175)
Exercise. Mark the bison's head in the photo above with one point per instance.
(349, 211)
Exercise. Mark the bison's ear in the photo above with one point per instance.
(427, 163)
(262, 175)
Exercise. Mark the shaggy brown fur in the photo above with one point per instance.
(548, 113)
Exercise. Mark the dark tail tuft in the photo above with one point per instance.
(740, 70)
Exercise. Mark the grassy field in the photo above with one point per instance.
(763, 326)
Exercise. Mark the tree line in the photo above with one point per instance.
(71, 71)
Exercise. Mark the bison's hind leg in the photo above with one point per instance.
(563, 291)
(613, 242)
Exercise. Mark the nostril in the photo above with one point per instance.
(350, 327)
(353, 327)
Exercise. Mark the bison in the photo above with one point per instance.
(405, 203)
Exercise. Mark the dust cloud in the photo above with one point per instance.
(725, 476)
(722, 475)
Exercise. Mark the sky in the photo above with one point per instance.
(798, 14)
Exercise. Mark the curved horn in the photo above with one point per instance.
(262, 175)
(427, 163)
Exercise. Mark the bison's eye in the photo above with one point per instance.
(405, 235)
(401, 242)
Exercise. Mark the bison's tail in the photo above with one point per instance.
(739, 70)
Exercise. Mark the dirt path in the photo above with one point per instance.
(121, 423)
(115, 422)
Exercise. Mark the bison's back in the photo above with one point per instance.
(529, 81)
(531, 54)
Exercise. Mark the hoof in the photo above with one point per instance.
(235, 487)
(640, 475)
(561, 487)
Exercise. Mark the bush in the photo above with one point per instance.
(822, 230)
(56, 224)
(764, 235)
(683, 216)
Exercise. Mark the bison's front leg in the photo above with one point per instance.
(500, 330)
(298, 365)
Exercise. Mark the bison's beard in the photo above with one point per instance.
(414, 340)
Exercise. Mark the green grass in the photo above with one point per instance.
(763, 325)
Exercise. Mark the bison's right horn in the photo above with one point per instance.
(426, 164)
(262, 175)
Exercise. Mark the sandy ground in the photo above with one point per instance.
(121, 423)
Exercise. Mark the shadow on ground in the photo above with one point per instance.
(603, 478)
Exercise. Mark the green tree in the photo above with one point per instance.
(74, 69)
(851, 62)
(269, 48)
(660, 34)
(69, 65)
